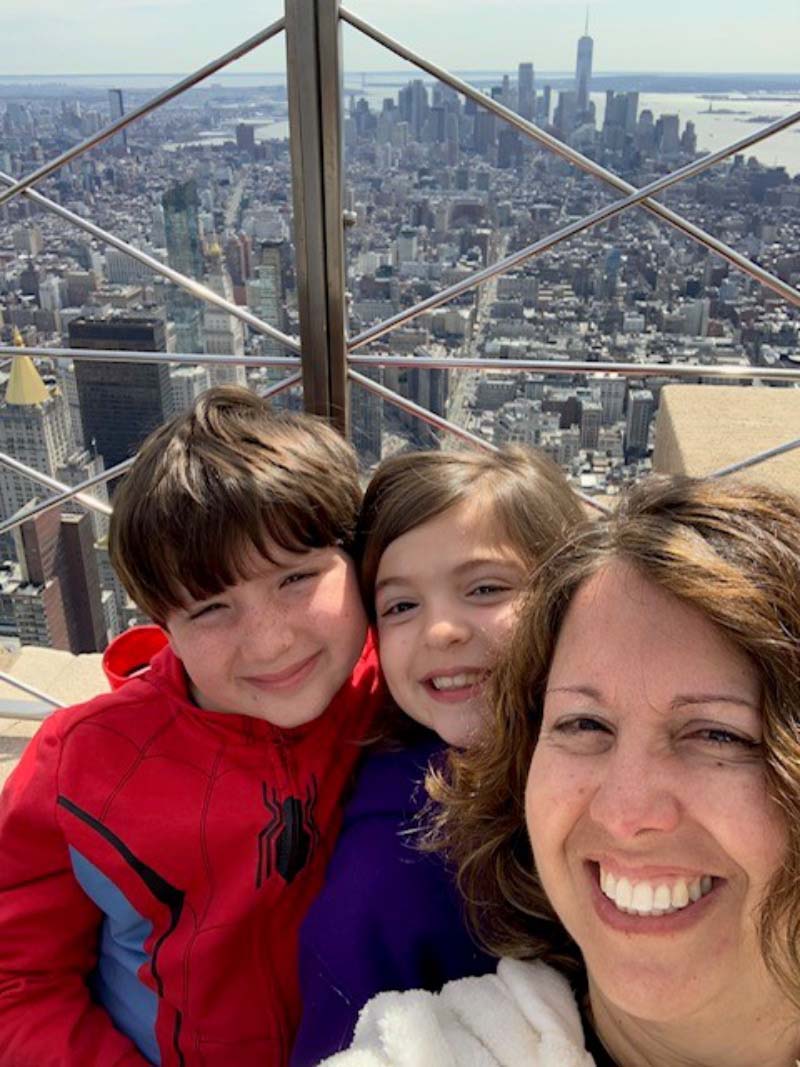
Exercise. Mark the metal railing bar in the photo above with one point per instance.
(144, 109)
(441, 423)
(537, 248)
(34, 714)
(278, 387)
(456, 363)
(422, 413)
(754, 460)
(52, 483)
(77, 491)
(54, 501)
(579, 226)
(590, 167)
(562, 366)
(194, 288)
(34, 692)
(91, 355)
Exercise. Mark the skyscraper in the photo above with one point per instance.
(34, 429)
(526, 93)
(583, 69)
(184, 253)
(120, 402)
(223, 333)
(265, 293)
(637, 423)
(116, 105)
(58, 603)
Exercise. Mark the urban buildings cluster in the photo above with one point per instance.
(439, 188)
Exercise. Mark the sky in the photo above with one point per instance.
(176, 36)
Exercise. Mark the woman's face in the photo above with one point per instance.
(646, 803)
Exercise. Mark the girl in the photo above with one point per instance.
(445, 541)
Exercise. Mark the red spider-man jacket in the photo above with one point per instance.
(155, 863)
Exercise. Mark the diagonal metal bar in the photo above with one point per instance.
(441, 423)
(104, 476)
(759, 457)
(566, 152)
(69, 494)
(194, 288)
(279, 387)
(150, 105)
(34, 713)
(52, 483)
(546, 243)
(421, 413)
(93, 355)
(567, 366)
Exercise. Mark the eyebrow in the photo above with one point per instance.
(459, 569)
(681, 701)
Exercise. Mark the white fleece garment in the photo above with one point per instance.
(523, 1016)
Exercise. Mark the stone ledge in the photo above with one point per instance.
(702, 428)
(67, 678)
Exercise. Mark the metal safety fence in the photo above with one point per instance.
(324, 359)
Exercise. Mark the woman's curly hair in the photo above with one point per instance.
(731, 551)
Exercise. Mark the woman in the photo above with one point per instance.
(641, 791)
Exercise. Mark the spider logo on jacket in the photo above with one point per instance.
(287, 842)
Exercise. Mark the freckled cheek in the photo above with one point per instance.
(555, 801)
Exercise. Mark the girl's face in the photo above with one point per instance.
(647, 805)
(445, 596)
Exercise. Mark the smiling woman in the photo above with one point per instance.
(629, 829)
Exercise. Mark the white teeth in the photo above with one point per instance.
(662, 898)
(455, 681)
(624, 893)
(642, 899)
(680, 894)
(648, 898)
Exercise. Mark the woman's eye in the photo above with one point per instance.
(722, 738)
(582, 724)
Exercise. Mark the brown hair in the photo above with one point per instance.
(731, 551)
(524, 490)
(226, 476)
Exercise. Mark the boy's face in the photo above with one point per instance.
(278, 645)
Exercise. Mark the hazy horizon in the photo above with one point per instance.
(158, 36)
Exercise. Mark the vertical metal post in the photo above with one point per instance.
(315, 124)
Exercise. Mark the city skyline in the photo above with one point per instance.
(179, 35)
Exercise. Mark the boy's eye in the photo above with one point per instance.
(297, 576)
(205, 611)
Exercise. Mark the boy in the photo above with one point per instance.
(160, 845)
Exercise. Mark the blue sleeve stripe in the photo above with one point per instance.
(115, 984)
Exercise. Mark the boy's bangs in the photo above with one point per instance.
(203, 559)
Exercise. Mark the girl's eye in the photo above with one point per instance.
(398, 608)
(488, 588)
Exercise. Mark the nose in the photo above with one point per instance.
(443, 628)
(267, 634)
(637, 795)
